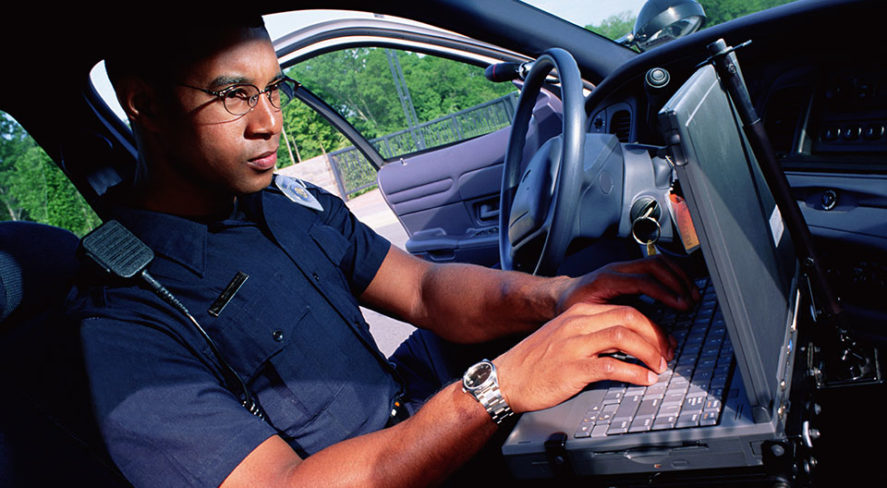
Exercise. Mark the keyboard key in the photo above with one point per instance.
(712, 404)
(709, 418)
(600, 430)
(688, 420)
(702, 377)
(641, 424)
(648, 406)
(693, 405)
(614, 395)
(664, 422)
(685, 371)
(627, 409)
(697, 390)
(607, 413)
(706, 365)
(676, 398)
(620, 427)
(679, 382)
(655, 391)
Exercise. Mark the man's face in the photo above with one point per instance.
(210, 147)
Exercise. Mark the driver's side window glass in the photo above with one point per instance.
(401, 101)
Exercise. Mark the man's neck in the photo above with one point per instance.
(190, 202)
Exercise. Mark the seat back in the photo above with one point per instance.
(48, 435)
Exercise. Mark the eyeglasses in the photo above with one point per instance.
(241, 98)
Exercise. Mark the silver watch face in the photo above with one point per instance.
(478, 375)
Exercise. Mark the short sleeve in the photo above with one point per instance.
(365, 249)
(161, 408)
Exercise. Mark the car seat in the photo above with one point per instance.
(48, 435)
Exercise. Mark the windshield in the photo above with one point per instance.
(615, 18)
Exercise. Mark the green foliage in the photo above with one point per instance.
(358, 83)
(33, 188)
(716, 12)
(720, 11)
(308, 133)
(614, 26)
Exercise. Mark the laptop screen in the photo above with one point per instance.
(747, 250)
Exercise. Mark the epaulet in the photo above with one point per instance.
(296, 190)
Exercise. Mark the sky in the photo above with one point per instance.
(587, 12)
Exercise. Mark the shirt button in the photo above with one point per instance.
(277, 335)
(316, 277)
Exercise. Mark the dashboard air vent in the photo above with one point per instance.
(620, 125)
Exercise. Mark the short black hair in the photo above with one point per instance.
(156, 48)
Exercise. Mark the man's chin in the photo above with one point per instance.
(256, 183)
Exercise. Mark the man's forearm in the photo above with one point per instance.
(466, 303)
(420, 451)
(463, 302)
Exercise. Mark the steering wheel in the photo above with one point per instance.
(538, 207)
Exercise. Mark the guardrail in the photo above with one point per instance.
(354, 173)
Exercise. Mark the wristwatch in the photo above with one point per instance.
(482, 382)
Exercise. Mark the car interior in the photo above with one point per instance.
(574, 180)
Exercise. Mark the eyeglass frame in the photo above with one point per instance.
(252, 101)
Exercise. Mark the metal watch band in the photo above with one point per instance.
(494, 403)
(487, 393)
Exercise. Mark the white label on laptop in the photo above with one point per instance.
(777, 227)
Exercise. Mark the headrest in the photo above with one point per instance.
(37, 264)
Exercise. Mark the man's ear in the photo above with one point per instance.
(140, 102)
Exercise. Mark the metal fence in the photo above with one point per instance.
(354, 173)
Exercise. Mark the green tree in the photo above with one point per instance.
(358, 83)
(716, 12)
(33, 188)
(720, 11)
(309, 134)
(440, 86)
(614, 26)
(14, 141)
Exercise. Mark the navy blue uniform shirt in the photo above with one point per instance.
(293, 332)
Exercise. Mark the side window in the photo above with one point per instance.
(402, 102)
(33, 188)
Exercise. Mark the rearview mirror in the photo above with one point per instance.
(660, 21)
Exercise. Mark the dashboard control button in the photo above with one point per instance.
(830, 133)
(873, 131)
(657, 77)
(851, 133)
(829, 199)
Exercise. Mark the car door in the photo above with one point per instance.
(437, 127)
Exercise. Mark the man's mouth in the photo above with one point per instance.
(264, 161)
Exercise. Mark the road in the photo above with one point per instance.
(372, 210)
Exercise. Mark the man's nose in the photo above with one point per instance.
(264, 120)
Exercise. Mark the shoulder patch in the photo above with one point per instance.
(296, 191)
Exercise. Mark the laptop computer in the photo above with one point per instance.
(742, 336)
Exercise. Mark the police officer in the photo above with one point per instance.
(276, 277)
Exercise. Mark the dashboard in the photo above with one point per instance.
(823, 102)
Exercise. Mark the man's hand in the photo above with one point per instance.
(657, 277)
(569, 352)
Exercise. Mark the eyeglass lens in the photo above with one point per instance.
(242, 98)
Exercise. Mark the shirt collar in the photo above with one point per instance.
(177, 238)
(180, 239)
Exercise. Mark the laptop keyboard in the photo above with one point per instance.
(690, 393)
